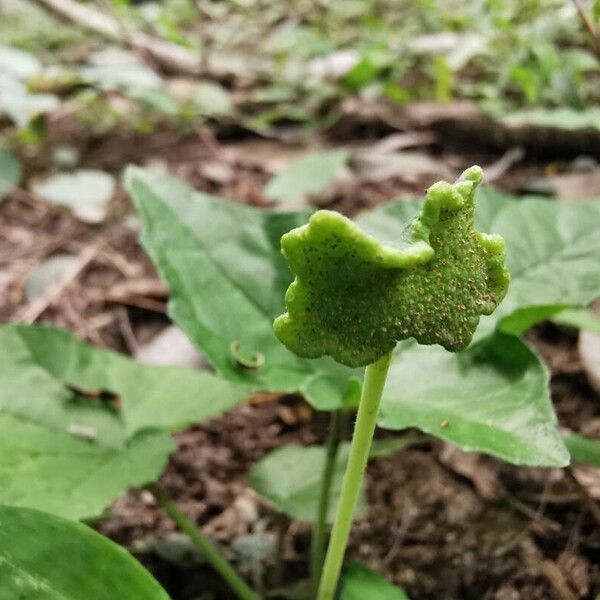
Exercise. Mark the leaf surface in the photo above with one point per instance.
(44, 557)
(491, 398)
(360, 583)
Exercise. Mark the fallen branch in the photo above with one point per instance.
(169, 56)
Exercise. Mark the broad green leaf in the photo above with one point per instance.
(307, 175)
(580, 318)
(49, 377)
(44, 557)
(491, 398)
(360, 583)
(212, 100)
(353, 298)
(583, 450)
(10, 172)
(227, 276)
(290, 477)
(68, 475)
(86, 192)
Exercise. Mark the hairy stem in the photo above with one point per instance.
(320, 527)
(208, 549)
(364, 428)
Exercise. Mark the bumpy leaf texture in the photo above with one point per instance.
(353, 297)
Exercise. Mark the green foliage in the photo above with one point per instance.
(307, 175)
(45, 557)
(354, 299)
(213, 277)
(492, 398)
(290, 477)
(79, 426)
(580, 318)
(360, 583)
(10, 172)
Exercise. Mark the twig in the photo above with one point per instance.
(589, 24)
(168, 55)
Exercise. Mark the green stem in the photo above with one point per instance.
(364, 429)
(208, 549)
(320, 528)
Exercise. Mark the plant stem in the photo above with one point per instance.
(208, 549)
(320, 527)
(364, 428)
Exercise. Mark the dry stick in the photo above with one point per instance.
(589, 24)
(208, 549)
(168, 55)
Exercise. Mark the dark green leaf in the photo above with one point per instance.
(44, 557)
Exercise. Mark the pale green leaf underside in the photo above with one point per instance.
(354, 298)
(44, 557)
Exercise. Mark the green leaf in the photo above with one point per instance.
(360, 583)
(491, 398)
(307, 175)
(354, 299)
(68, 475)
(49, 377)
(290, 477)
(18, 63)
(10, 172)
(564, 118)
(78, 425)
(45, 557)
(580, 318)
(229, 288)
(86, 192)
(583, 450)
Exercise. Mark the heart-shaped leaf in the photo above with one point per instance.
(45, 557)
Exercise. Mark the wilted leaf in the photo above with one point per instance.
(10, 172)
(307, 175)
(43, 556)
(86, 192)
(491, 398)
(360, 583)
